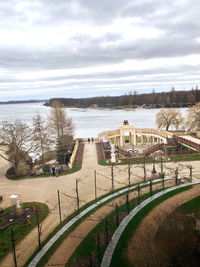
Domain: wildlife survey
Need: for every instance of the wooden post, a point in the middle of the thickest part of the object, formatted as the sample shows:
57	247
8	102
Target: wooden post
106	229
77	196
127	204
91	263
95	184
176	176
38	226
117	215
112	176
129	174
138	189
163	182
144	167
190	167
59	208
150	187
98	250
13	247
161	166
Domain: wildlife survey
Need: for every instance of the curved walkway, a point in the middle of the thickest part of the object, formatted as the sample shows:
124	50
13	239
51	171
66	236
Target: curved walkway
117	234
44	250
45	190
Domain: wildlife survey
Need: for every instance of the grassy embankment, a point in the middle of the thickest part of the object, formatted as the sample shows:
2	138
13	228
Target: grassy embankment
65	234
88	246
118	258
76	167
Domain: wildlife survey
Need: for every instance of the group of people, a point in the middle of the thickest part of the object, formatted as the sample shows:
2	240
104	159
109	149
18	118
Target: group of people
92	140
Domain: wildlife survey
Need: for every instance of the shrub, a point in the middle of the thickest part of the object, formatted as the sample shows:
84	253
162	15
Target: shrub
46	168
11	173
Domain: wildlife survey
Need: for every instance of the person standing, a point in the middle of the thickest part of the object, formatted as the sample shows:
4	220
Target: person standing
53	170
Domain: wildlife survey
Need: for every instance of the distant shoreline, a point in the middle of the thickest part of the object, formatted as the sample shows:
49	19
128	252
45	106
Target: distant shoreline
118	108
22	102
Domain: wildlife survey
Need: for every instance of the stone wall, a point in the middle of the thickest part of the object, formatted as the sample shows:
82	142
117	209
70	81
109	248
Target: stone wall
73	155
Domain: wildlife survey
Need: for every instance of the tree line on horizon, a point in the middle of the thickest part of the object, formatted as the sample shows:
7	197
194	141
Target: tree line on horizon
133	99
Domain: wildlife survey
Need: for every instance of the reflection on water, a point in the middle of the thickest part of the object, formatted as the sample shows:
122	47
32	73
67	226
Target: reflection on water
88	122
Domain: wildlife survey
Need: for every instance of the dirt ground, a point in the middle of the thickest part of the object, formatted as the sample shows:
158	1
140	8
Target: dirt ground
151	223
45	190
63	253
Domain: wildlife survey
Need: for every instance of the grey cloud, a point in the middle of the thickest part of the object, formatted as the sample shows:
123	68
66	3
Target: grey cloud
10	17
93	54
113	75
115	79
156	72
95	12
177	22
111	37
139	8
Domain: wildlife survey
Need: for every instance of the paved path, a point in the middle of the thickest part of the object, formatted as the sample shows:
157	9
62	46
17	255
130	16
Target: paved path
45	190
75	219
90	156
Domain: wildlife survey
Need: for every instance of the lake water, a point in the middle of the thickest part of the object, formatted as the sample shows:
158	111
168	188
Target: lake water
88	122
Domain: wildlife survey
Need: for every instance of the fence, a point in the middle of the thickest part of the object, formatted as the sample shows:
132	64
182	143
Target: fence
181	152
152	149
188	142
124	152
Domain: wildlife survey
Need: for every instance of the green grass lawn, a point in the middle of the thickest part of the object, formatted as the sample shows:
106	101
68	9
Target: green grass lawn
192	206
66	233
20	231
88	246
174	158
118	258
76	167
177	237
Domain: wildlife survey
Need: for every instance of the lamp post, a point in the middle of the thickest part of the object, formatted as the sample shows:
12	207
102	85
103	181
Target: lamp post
154	169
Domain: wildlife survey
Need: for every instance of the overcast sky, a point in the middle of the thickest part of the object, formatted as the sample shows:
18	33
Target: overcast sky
81	48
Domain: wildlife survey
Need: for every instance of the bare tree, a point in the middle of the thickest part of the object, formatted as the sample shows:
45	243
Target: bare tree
40	135
168	117
193	118
16	142
63	130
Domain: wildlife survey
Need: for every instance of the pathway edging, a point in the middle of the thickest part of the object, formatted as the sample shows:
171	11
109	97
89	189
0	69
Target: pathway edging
44	250
118	232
